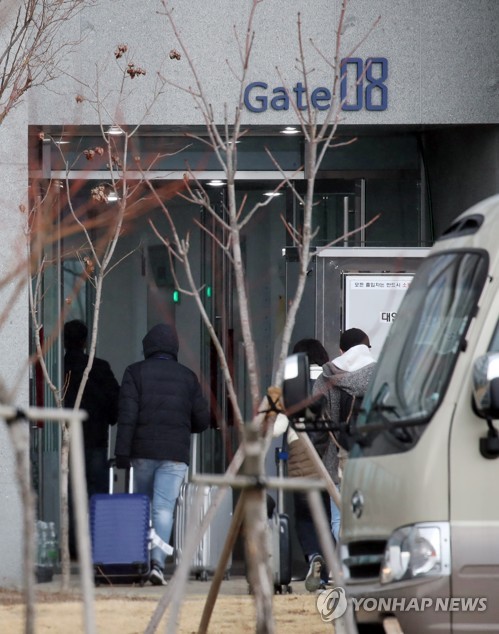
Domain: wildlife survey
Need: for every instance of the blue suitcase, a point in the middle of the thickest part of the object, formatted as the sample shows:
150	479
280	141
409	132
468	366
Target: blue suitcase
120	536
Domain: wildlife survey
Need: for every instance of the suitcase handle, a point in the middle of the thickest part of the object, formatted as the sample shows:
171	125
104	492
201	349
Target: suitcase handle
128	476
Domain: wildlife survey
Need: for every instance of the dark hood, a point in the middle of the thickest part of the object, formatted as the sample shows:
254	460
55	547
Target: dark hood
161	338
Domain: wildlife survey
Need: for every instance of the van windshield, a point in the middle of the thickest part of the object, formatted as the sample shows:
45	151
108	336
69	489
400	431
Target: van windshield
421	349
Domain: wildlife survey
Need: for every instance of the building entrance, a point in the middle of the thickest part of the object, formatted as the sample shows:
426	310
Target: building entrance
368	195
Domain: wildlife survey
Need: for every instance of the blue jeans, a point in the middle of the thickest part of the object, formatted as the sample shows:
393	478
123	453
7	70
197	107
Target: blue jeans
335	520
160	480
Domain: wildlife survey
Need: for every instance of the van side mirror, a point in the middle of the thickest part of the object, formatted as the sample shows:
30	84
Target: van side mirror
486	400
296	385
486	385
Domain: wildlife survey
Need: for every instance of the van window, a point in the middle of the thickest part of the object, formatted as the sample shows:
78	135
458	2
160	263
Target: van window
421	349
494	344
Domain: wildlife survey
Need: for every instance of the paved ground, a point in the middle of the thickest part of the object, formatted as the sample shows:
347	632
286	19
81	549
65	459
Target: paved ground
128	609
236	585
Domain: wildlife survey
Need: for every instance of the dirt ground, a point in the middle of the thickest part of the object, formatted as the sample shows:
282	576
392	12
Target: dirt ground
294	614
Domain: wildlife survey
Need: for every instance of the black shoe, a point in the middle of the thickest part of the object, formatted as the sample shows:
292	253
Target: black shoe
313	579
156	576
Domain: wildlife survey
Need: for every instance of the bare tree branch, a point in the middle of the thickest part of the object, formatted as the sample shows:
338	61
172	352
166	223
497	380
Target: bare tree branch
34	51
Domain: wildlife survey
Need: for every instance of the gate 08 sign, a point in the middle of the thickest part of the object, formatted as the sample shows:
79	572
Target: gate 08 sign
362	86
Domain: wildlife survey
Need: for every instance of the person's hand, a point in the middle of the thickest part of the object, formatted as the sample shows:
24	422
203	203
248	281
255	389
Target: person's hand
123	462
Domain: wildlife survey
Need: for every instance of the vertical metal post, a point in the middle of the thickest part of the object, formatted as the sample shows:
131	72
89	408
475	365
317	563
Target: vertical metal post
345	220
362	212
81	513
423	224
280	474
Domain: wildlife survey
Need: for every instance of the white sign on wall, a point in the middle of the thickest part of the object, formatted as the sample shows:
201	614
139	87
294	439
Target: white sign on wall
371	302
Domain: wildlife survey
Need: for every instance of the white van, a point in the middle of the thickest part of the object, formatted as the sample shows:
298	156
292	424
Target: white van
420	495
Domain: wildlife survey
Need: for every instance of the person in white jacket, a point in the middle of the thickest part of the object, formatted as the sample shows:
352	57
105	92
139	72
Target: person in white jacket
351	372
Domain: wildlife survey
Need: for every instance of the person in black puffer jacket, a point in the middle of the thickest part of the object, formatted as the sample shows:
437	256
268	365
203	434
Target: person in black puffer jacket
160	406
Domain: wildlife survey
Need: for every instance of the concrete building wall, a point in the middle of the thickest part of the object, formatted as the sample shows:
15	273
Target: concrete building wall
14	345
442	57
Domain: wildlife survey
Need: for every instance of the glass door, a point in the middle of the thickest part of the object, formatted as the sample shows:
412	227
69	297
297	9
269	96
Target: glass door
45	436
214	449
339	212
65	295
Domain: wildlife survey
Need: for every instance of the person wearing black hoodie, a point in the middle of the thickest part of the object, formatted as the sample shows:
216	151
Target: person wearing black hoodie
160	405
100	401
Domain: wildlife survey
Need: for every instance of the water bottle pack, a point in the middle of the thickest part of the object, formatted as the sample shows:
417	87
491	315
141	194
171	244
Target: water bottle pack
47	557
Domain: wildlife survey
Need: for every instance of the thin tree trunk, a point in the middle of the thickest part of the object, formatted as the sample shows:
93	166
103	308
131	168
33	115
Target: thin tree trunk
257	547
256	532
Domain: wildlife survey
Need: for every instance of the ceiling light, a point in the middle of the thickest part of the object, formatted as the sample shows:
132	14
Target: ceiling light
272	194
290	130
216	183
115	130
112	197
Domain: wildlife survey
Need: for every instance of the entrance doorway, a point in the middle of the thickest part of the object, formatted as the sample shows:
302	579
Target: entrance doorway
379	174
339	211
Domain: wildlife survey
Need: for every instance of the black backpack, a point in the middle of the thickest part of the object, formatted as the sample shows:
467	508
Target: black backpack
349	410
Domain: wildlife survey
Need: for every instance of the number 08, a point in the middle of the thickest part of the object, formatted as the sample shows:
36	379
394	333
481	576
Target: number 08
374	73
